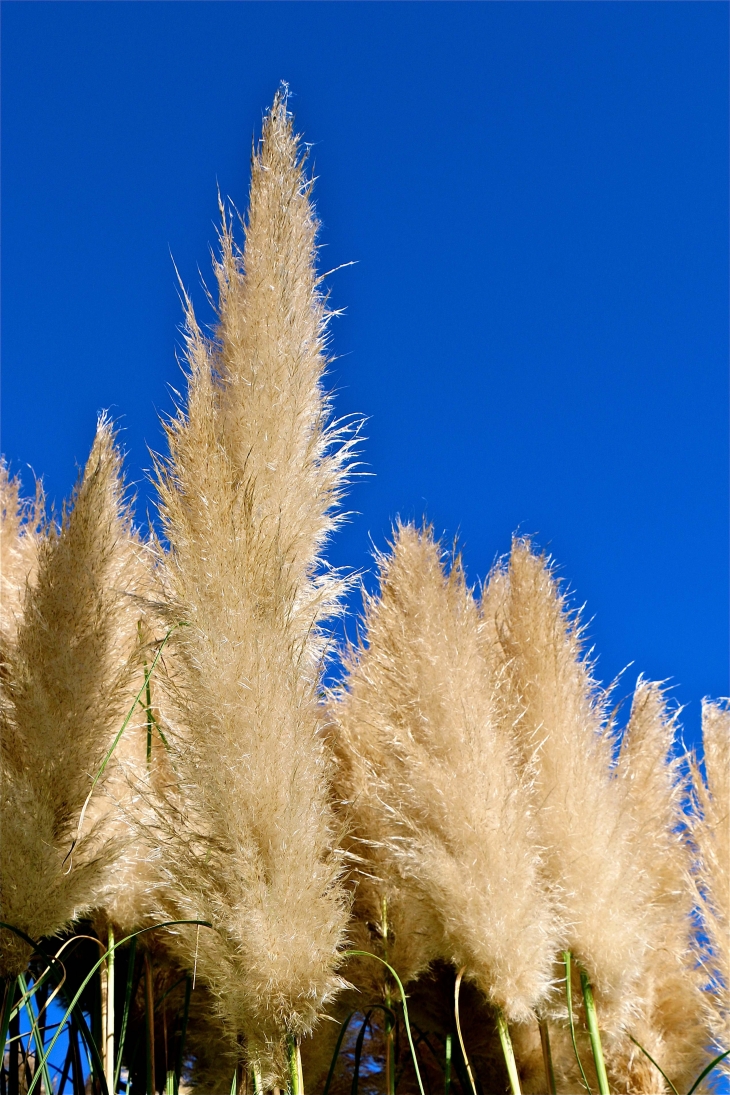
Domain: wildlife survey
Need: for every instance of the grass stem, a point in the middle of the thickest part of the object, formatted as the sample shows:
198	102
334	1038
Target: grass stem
296	1080
125	1013
149	992
183	1034
568	960
547	1056
594	1033
41	1063
447	1065
109	1069
509	1054
457	991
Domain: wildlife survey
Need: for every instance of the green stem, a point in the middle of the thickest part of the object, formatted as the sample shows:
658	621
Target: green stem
358	1053
457	1017
547	1056
258	1086
509	1053
568	958
109	1032
8	997
183	1033
447	1066
594	1033
125	1013
389	1021
369	954
150	1023
43	1065
296	1085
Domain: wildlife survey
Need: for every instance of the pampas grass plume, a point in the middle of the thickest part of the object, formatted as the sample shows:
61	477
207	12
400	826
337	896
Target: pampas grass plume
438	791
557	715
64	697
247	501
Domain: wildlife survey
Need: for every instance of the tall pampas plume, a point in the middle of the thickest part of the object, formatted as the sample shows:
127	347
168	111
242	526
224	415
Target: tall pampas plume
247	500
65	690
710	824
437	793
668	1001
557	715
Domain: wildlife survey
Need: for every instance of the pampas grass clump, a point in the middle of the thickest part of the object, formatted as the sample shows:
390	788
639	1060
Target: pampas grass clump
459	813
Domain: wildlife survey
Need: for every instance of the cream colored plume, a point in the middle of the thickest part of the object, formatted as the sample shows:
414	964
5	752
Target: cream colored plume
434	787
711	835
64	697
667	999
556	712
20	523
247	499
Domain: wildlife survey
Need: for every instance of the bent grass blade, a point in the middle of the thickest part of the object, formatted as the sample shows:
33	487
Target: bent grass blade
368	954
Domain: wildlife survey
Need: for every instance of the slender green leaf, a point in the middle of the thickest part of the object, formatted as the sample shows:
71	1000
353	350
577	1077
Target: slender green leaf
125	1014
567	958
335	1055
509	1053
547	1056
457	1017
358	1052
183	1033
42	1067
7	1011
367	954
657	1066
708	1070
594	1034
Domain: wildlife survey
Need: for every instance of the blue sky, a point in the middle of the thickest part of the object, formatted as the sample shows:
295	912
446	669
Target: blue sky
536	197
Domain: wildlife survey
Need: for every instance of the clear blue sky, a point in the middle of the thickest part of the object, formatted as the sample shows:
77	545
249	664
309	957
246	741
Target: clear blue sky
536	195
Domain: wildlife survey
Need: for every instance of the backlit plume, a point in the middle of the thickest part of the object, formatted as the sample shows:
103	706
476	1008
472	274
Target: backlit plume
247	501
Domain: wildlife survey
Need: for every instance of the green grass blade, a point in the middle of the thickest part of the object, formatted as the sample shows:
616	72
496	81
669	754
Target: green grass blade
457	1017
296	1085
183	1033
234	1083
594	1033
547	1056
338	1045
7	1012
367	954
567	958
447	1065
708	1070
41	1068
509	1053
358	1052
657	1066
125	1013
84	983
